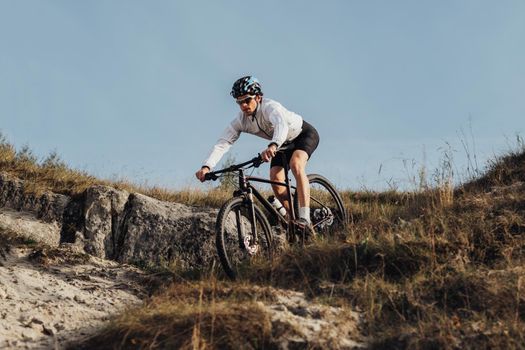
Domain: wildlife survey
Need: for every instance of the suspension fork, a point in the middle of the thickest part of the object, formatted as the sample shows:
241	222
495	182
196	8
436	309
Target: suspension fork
253	220
248	200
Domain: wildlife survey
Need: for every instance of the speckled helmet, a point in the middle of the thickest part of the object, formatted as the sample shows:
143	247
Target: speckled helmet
247	85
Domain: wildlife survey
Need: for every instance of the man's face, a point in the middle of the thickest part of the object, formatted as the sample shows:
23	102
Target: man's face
248	103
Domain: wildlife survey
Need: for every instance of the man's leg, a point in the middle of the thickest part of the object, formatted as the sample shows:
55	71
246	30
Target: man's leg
277	174
298	167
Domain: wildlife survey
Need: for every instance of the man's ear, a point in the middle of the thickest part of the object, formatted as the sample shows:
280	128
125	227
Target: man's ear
258	98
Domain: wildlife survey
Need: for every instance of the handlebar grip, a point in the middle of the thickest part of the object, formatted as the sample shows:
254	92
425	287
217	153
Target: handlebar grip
257	161
210	176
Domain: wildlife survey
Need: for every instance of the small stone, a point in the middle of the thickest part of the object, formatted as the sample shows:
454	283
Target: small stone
47	331
37	321
79	299
23	320
28	335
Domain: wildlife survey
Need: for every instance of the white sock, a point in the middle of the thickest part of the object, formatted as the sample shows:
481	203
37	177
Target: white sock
304	213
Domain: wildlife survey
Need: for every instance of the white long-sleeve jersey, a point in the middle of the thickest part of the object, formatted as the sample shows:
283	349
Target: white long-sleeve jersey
271	121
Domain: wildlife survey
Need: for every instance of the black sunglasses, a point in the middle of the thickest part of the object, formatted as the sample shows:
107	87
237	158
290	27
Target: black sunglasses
245	100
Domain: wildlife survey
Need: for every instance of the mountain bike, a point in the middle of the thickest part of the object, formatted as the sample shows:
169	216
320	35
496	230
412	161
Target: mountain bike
243	231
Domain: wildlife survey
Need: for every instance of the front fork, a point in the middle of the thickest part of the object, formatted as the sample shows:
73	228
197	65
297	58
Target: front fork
249	203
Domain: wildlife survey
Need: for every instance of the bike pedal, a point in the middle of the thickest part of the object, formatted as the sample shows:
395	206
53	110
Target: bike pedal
304	229
302	224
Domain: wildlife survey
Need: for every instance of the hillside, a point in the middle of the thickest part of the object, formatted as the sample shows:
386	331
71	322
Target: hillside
440	268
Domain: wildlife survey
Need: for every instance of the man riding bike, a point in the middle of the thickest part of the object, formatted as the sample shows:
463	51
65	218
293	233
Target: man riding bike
270	120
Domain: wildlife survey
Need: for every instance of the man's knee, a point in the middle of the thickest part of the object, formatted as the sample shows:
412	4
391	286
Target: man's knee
298	163
297	168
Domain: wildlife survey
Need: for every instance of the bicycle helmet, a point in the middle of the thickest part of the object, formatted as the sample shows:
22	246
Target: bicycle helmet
247	85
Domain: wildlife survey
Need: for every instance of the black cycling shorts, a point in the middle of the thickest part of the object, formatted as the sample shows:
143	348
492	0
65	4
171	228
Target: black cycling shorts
307	141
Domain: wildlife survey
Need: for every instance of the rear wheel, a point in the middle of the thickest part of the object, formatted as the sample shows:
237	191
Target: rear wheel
327	212
239	242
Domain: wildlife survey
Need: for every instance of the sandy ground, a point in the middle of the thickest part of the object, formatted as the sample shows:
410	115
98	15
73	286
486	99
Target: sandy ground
300	324
27	225
48	302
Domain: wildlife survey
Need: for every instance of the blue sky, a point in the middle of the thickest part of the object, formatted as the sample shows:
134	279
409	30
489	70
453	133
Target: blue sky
140	90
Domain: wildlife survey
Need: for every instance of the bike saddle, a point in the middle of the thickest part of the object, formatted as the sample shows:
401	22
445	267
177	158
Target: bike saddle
286	146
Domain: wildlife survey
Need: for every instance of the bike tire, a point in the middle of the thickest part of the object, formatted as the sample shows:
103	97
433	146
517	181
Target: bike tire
323	194
232	227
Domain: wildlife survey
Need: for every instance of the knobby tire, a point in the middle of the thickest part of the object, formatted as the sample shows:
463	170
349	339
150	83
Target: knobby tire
230	241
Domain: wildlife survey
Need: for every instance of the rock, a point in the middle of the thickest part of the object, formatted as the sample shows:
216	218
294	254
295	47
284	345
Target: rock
102	211
47	330
37	320
35	216
112	224
156	232
3	293
79	299
48	207
29	335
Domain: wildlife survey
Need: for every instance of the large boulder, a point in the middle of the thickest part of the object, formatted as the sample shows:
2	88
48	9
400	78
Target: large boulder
157	232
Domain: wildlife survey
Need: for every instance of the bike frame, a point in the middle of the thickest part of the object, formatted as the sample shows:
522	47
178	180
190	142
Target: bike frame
245	187
248	192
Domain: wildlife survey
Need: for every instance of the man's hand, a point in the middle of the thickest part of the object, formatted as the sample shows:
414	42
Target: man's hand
269	153
202	171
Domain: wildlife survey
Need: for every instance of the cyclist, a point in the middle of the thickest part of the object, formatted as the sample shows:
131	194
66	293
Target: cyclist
268	119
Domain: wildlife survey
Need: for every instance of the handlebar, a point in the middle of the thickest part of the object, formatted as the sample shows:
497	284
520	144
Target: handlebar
255	162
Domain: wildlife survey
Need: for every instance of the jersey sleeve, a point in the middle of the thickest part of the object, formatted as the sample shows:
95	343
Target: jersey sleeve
225	141
280	126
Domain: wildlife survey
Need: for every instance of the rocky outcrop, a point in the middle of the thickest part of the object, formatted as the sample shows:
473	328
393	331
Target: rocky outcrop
102	211
48	207
117	225
152	231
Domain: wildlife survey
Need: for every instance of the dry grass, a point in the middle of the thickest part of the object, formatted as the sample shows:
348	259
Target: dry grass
199	315
428	270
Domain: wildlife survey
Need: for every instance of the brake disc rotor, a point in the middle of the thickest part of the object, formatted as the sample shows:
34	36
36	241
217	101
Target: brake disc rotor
251	249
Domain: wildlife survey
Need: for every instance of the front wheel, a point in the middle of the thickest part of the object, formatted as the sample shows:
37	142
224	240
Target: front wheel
327	211
239	240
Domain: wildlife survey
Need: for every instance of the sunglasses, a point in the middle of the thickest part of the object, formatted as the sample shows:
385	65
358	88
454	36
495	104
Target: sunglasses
245	100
